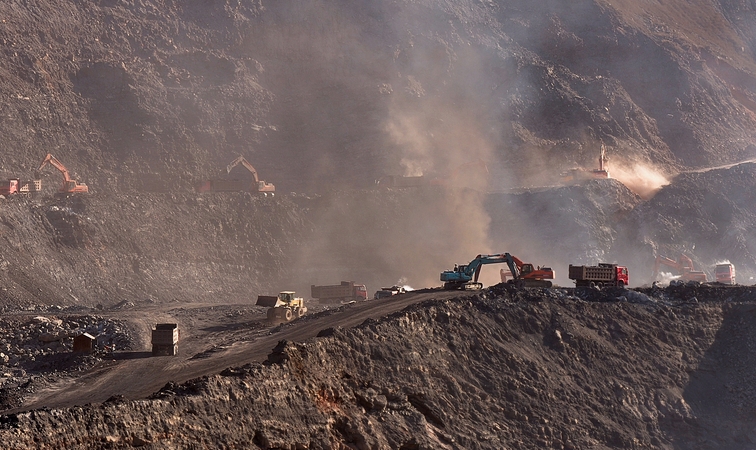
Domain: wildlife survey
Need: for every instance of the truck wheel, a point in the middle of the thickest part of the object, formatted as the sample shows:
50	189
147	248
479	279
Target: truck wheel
288	314
300	312
621	284
272	314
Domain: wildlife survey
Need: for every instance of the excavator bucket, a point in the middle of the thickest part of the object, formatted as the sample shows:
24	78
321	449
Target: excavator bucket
269	301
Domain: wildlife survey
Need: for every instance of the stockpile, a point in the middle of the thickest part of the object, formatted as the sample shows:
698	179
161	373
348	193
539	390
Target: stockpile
35	347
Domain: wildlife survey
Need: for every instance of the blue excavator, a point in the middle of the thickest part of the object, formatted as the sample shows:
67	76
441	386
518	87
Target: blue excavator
523	274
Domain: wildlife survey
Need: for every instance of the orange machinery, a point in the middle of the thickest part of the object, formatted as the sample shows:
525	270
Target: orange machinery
523	274
70	186
683	266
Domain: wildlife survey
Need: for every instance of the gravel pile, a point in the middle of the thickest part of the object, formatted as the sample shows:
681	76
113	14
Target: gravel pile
36	347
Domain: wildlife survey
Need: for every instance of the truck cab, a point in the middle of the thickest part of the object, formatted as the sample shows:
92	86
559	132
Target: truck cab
725	273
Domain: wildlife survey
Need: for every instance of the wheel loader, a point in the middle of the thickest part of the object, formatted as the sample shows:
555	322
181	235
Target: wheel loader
283	308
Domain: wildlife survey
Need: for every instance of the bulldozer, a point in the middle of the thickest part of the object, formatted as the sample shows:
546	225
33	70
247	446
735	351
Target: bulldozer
283	308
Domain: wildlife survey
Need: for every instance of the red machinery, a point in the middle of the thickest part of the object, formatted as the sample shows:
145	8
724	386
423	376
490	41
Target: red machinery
70	186
683	266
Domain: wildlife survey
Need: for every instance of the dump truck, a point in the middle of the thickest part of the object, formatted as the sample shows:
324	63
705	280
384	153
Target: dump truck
284	307
725	273
165	338
16	186
599	276
347	291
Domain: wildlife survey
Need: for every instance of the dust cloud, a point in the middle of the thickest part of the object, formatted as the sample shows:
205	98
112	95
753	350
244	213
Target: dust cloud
436	124
640	178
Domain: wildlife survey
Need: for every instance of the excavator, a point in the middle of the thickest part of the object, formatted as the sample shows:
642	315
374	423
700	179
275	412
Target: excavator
465	276
70	186
525	274
683	266
580	175
227	184
259	186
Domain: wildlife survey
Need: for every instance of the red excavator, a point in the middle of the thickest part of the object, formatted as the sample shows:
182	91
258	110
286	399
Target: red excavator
70	186
525	274
683	266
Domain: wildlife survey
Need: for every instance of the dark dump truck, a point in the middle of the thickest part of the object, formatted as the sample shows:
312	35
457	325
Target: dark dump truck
165	338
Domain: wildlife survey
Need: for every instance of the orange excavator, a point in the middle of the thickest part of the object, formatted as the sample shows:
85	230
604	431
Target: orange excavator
683	266
260	186
581	175
525	274
70	186
236	185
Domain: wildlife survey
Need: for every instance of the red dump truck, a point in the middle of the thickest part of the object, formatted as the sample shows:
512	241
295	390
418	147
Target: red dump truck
165	338
16	186
347	291
725	273
601	275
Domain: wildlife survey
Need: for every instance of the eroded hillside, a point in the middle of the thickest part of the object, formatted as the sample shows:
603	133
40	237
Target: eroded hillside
501	369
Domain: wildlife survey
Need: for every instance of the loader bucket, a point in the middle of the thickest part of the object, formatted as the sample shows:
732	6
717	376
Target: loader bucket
267	300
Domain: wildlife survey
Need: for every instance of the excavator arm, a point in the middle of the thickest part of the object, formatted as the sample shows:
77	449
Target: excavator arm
241	160
53	161
664	261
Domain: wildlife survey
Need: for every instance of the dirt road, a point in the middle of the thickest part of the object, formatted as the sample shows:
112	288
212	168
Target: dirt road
210	343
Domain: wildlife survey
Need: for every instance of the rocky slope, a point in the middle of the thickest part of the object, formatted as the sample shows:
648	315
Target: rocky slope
501	369
153	92
491	101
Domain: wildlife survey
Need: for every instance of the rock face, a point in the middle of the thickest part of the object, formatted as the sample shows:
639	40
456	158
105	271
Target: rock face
505	368
155	95
489	102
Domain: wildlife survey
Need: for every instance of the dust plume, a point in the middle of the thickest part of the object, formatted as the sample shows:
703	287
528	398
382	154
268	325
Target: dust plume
640	178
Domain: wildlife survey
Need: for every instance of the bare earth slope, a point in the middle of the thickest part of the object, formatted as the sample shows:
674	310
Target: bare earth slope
490	101
156	93
504	369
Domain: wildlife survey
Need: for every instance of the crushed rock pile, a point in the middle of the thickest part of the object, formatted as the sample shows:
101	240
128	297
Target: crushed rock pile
524	369
36	348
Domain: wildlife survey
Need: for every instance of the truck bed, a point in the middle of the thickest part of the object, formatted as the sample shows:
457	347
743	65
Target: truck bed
333	291
592	273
